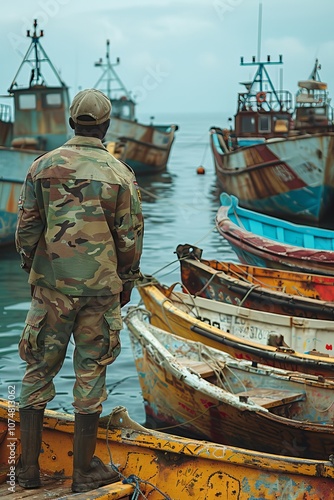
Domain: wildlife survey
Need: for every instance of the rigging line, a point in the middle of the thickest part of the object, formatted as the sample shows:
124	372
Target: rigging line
187	421
204	154
146	191
177	260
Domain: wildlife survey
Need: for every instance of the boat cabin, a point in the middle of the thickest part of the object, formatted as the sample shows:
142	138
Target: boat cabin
313	112
41	117
123	108
262	111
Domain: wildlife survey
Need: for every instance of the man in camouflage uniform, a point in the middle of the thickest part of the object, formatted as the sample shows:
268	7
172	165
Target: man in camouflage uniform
79	234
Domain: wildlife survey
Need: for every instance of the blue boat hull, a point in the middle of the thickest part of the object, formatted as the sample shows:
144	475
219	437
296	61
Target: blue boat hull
266	241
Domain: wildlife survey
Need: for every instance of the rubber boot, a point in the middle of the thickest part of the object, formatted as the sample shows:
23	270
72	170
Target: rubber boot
89	472
31	427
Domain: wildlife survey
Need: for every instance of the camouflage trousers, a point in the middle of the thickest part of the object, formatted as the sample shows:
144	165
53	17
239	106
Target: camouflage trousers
95	323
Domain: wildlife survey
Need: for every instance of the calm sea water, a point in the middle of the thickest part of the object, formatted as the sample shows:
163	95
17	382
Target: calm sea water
179	207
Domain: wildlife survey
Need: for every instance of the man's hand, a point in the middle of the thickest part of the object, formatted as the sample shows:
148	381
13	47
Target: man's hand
125	297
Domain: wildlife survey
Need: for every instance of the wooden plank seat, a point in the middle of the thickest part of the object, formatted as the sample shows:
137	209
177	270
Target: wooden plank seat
61	489
200	367
271	398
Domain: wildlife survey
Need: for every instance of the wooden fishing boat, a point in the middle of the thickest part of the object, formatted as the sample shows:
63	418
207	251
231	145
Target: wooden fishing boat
145	147
217	397
203	320
260	288
270	167
313	110
267	241
162	466
41	124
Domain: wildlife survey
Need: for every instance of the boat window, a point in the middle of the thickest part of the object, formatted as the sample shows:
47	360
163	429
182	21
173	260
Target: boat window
264	124
126	111
320	111
281	124
52	100
248	124
27	101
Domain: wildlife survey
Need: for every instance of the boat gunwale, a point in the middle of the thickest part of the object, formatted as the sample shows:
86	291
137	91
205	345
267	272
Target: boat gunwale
194	448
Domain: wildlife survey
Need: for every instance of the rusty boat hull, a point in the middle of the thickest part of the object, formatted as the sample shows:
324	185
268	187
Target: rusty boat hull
170	311
179	467
202	390
146	148
260	288
290	178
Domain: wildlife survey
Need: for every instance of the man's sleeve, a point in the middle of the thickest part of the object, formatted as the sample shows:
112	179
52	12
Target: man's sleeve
128	234
29	225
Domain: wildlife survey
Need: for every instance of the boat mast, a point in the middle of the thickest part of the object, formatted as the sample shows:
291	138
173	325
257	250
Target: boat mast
109	76
39	57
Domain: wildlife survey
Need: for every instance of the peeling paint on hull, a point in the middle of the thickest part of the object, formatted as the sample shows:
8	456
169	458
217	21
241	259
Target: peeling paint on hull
167	314
292	178
260	288
180	467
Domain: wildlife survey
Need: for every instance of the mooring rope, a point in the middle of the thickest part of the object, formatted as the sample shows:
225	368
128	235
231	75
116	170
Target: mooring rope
132	479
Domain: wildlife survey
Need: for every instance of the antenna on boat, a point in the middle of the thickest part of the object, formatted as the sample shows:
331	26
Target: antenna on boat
259	33
39	56
109	75
315	75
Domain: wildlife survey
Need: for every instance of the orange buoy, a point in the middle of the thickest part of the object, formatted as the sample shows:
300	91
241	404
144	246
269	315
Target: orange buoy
201	170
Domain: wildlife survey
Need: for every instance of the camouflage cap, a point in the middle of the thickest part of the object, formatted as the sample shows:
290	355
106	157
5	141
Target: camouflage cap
93	103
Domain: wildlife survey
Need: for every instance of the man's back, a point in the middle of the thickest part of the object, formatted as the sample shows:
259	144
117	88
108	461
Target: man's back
82	193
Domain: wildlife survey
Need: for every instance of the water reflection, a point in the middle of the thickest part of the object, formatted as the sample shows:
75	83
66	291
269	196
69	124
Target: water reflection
153	187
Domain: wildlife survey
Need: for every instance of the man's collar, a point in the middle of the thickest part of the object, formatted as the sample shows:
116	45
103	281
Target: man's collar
80	140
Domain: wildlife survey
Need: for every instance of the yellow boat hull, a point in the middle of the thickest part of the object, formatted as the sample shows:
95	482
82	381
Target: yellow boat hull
170	467
166	312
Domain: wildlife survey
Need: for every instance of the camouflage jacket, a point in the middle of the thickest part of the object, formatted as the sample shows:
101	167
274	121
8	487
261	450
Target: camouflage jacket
80	225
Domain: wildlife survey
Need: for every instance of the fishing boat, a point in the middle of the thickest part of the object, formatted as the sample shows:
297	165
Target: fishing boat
214	396
40	124
145	148
203	320
158	466
261	240
260	288
268	164
313	110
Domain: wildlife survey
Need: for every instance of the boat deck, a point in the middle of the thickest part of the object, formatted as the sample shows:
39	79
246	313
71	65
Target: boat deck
270	398
61	489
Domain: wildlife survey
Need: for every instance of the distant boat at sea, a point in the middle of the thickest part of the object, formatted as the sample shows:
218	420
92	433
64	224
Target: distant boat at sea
313	109
40	124
266	162
145	148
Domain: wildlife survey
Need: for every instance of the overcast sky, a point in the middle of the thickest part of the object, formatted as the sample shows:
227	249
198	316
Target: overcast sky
176	55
